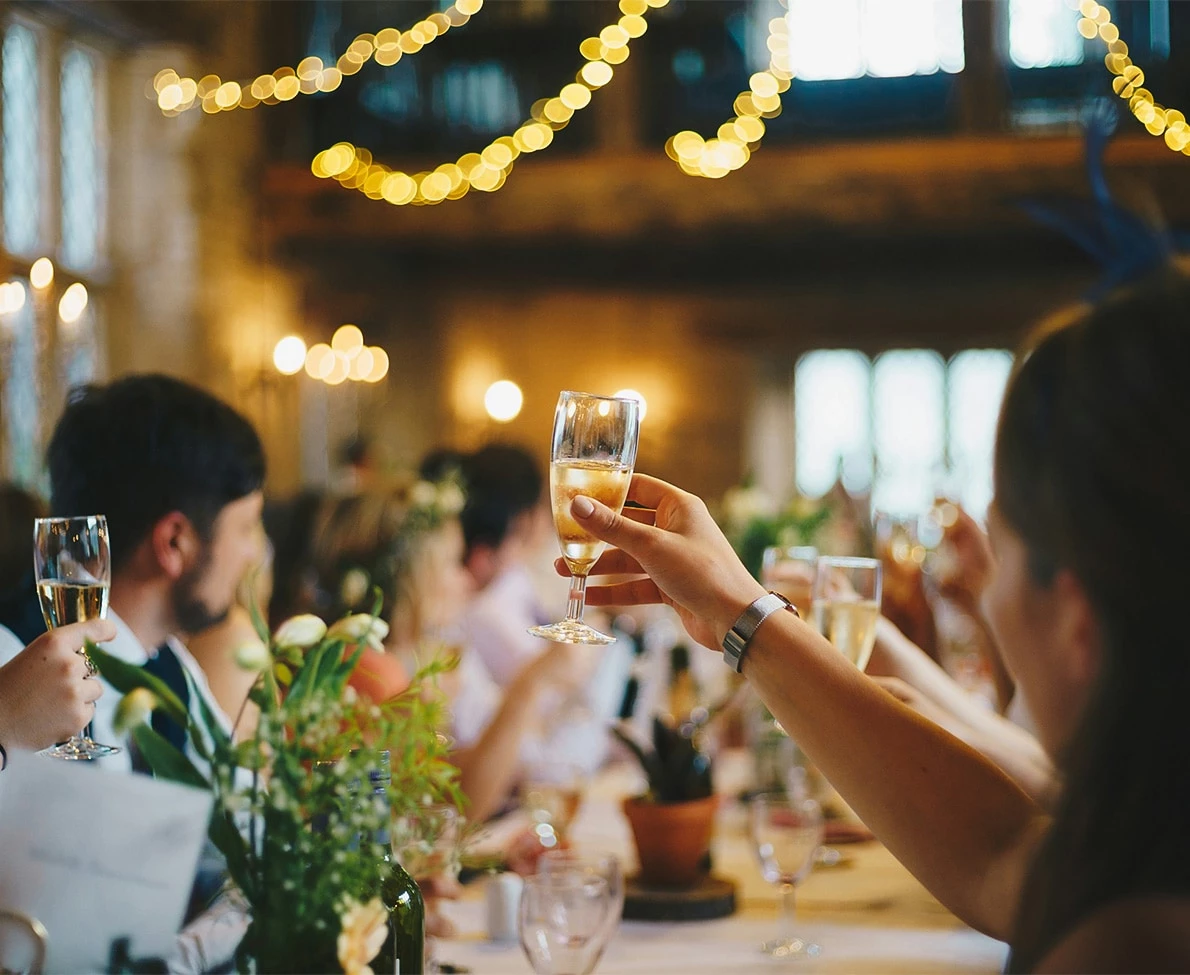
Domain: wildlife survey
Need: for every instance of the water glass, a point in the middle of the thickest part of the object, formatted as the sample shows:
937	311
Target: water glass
786	833
563	922
790	570
603	865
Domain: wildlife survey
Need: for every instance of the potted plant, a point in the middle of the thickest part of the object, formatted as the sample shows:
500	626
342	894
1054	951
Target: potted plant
673	821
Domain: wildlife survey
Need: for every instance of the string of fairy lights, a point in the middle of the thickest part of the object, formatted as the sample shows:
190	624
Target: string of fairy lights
739	136
176	94
356	169
1129	80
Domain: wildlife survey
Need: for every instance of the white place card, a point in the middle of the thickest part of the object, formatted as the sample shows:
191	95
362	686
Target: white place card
96	857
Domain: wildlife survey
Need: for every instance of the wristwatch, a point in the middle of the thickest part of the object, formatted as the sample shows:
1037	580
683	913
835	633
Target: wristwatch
742	631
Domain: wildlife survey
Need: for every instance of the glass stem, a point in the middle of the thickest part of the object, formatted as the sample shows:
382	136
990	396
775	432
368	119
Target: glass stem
577	599
787	908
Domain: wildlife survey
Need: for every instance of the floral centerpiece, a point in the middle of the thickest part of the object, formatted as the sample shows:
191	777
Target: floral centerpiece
296	815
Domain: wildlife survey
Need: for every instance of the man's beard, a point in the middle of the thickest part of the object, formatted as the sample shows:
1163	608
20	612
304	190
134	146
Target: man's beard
191	614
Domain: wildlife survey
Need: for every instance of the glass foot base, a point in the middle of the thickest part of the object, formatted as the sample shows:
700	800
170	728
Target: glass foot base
572	631
791	948
81	750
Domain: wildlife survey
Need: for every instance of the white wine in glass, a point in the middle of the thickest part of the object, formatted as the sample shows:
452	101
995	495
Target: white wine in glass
846	605
593	453
72	566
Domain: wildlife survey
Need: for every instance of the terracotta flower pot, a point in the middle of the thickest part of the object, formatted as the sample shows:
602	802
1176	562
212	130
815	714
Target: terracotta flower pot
671	839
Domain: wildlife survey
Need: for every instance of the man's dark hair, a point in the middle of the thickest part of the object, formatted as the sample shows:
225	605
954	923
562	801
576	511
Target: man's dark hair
143	446
501	482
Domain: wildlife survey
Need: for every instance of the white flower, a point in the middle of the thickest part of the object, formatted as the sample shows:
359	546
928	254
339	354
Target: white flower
134	708
363	932
423	494
451	499
360	628
354	587
252	655
300	631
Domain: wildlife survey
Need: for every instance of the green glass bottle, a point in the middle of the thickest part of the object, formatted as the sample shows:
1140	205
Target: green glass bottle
404	951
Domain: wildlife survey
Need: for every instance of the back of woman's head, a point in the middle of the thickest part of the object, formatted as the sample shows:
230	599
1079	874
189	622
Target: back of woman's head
1092	444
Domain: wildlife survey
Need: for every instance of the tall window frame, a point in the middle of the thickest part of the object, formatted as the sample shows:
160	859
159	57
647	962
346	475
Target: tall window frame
58	93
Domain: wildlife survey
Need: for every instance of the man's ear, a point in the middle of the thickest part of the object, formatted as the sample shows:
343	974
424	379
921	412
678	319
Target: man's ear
174	543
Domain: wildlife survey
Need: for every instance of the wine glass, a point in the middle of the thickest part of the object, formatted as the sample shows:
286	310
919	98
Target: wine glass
786	832
429	843
563	922
593	452
72	566
603	865
551	795
791	570
846	605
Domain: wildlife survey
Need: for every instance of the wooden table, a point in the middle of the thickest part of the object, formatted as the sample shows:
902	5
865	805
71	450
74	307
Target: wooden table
868	913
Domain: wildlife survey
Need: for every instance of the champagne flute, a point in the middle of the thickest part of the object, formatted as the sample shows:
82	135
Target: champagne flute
791	570
594	450
846	605
786	832
563	922
72	565
552	795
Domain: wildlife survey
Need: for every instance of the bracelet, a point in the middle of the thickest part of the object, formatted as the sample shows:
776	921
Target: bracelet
740	635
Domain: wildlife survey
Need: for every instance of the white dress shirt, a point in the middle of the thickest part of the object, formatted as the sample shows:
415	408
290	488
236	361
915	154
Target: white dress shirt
10	646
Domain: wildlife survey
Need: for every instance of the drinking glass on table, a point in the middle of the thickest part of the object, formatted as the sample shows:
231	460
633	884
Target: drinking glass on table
72	567
593	452
846	605
791	570
552	795
603	865
563	922
786	832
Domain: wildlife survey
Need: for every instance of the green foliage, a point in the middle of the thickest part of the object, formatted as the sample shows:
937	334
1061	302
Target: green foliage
798	525
675	768
295	815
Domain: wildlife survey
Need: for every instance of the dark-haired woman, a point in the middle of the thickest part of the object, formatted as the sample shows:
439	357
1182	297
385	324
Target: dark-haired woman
1091	531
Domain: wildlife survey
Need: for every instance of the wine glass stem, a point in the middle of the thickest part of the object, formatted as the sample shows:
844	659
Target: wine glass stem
787	909
577	599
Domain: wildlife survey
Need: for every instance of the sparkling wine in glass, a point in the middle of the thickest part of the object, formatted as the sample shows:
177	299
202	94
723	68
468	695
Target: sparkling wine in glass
72	566
552	795
786	833
563	922
846	605
593	452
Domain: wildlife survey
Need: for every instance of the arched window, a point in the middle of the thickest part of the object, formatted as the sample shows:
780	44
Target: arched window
833	421
1042	33
18	357
22	134
909	427
975	380
82	161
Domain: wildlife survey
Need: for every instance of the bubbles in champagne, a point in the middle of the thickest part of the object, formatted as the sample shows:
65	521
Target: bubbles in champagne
605	482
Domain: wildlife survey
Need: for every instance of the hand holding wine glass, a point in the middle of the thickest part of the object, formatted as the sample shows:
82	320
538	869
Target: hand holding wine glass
593	452
72	566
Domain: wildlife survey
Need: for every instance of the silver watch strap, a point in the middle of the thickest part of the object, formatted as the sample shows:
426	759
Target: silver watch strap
744	628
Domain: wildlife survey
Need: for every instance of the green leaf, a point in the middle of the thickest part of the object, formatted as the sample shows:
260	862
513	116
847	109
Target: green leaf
125	677
231	844
165	760
258	621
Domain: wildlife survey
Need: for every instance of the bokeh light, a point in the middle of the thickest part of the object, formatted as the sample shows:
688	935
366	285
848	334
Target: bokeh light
503	400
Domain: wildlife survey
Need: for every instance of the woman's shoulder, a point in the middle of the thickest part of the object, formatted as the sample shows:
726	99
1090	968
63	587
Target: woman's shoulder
1135	934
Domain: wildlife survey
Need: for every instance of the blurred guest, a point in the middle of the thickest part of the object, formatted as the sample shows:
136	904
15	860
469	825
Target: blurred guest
45	693
409	543
289	526
19	609
357	468
506	524
178	474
